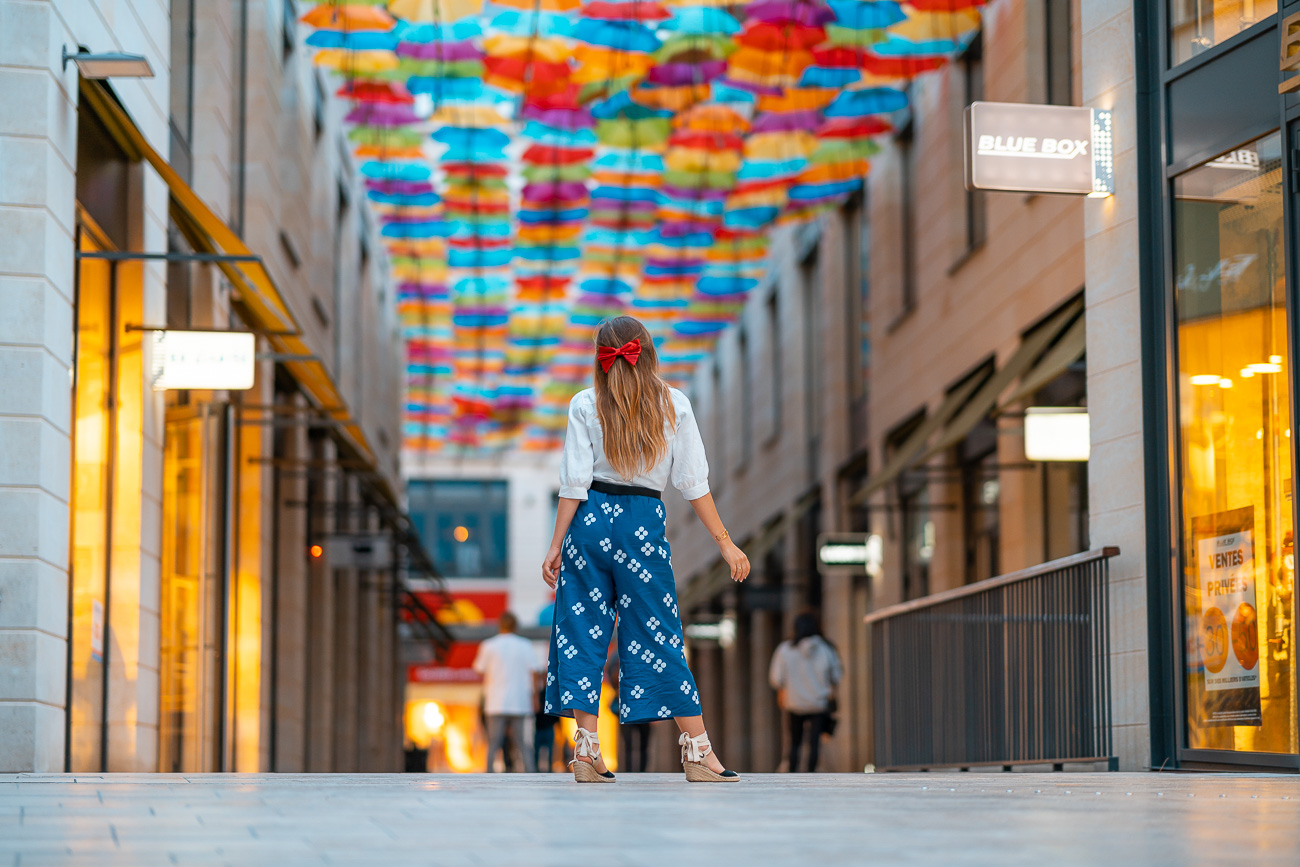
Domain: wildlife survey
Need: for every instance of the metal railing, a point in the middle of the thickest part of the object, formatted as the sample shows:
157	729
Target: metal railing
1010	671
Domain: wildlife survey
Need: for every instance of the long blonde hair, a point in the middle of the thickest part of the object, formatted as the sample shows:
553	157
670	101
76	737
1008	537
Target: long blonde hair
632	401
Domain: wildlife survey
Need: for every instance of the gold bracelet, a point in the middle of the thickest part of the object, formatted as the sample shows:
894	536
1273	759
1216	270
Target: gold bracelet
720	536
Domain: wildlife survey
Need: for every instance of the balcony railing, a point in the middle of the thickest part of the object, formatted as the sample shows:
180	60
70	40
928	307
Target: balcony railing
1014	670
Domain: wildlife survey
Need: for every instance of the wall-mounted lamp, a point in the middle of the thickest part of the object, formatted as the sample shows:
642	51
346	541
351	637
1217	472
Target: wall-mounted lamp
111	64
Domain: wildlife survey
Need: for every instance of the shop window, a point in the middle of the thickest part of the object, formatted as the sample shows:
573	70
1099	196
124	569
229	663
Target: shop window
858	338
906	144
746	397
774	355
191	637
975	202
92	465
719	412
1198	25
981	495
915	528
810	280
289	27
464	525
182	85
1058	52
1234	464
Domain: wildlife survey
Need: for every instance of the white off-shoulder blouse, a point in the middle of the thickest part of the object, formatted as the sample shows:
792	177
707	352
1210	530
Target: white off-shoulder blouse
584	453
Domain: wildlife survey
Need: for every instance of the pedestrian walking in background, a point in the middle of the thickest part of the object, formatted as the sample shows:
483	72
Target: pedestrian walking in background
508	664
805	671
627	438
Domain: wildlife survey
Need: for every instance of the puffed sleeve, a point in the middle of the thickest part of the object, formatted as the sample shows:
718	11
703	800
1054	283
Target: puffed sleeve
578	463
690	473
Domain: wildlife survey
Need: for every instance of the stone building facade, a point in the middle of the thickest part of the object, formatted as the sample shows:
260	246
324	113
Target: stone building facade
161	604
894	311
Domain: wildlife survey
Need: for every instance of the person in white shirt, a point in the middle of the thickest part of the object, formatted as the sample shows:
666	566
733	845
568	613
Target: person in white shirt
508	664
805	671
628	437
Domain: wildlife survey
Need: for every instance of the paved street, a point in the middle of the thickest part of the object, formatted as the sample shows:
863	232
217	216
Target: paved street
650	820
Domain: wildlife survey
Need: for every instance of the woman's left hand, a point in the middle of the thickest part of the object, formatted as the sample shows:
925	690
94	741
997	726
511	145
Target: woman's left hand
551	568
737	560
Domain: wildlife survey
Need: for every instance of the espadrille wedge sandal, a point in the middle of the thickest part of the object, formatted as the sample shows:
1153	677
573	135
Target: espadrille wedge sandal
586	744
694	751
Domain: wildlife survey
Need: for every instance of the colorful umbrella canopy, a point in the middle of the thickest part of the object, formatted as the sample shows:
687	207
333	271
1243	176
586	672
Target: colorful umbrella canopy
536	166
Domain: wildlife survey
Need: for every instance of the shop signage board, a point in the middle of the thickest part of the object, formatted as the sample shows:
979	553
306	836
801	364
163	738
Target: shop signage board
1038	149
1229	628
850	550
1289	61
209	360
371	551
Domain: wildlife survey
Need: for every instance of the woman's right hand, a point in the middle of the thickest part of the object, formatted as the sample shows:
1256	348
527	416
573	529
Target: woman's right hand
737	560
551	567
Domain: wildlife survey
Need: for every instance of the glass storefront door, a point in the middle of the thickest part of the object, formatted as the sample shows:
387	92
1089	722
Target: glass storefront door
1232	401
94	421
192	629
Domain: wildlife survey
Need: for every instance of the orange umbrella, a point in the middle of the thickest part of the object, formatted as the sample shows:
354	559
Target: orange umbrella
328	16
712	118
798	99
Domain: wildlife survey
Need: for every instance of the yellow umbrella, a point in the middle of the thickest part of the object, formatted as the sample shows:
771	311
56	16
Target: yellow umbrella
344	60
711	118
440	11
774	197
924	26
538	48
780	145
695	160
477	116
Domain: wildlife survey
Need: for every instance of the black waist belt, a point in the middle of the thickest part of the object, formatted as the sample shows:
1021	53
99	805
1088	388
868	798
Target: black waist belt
624	490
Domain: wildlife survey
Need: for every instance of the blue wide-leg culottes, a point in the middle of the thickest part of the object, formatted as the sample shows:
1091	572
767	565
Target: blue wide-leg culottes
615	569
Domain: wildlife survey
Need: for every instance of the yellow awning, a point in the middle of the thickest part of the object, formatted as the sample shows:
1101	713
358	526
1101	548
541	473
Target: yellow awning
984	401
969	403
905	455
257	293
1067	351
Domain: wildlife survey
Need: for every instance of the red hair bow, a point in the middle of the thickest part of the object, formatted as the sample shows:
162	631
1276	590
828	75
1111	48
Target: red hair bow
630	350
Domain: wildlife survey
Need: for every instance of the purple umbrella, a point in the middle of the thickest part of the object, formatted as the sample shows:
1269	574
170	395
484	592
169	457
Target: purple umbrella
693	194
782	11
452	52
620	205
759	89
789	121
400	188
380	114
680	74
560	118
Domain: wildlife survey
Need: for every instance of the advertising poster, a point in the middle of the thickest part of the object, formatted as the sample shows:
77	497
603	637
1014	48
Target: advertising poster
1228	629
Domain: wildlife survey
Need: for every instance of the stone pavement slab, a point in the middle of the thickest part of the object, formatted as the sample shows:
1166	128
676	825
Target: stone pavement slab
650	820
